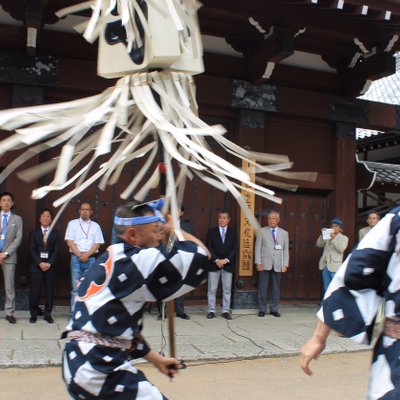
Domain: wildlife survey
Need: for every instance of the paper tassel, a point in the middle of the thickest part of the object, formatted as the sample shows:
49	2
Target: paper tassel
143	115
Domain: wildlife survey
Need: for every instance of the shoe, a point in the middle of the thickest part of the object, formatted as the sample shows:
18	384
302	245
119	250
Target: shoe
275	314
32	320
40	312
211	315
261	313
226	315
11	319
48	319
183	316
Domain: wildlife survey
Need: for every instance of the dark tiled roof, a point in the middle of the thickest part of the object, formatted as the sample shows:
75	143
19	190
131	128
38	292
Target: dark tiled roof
382	172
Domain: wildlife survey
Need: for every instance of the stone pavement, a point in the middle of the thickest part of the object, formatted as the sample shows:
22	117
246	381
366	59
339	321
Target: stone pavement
246	336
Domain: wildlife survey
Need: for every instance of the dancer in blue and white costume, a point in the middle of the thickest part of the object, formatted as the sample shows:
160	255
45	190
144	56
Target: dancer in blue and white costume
370	274
105	331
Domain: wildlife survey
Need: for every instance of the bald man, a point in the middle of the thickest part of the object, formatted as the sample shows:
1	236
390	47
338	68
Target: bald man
372	220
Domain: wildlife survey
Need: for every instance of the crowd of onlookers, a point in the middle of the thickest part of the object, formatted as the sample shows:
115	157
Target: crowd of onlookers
84	237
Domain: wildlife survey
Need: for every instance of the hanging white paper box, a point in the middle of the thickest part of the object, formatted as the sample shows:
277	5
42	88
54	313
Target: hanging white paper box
159	48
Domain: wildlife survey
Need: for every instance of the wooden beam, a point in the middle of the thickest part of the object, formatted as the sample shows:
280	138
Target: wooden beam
54	43
268	13
377	5
276	47
19	68
382	116
33	23
223	66
323	182
373	68
305	104
50	71
381	5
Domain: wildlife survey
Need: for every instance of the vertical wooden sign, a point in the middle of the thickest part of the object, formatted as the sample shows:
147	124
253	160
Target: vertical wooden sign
246	247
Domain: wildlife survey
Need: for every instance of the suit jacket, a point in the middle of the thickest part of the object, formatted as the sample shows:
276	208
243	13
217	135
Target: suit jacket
266	253
36	246
332	255
220	250
13	238
363	231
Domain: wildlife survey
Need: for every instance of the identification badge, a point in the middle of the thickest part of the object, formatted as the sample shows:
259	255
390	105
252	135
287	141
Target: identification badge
44	254
2	236
278	247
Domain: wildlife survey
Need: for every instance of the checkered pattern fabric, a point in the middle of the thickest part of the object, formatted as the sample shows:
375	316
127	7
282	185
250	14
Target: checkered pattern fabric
369	274
110	302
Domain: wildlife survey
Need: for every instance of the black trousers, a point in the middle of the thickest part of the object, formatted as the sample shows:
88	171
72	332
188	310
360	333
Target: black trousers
39	278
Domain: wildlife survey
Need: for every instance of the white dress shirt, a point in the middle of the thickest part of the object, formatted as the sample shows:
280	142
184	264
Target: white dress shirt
84	234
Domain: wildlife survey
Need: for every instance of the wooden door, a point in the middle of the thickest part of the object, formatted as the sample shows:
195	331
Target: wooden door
303	216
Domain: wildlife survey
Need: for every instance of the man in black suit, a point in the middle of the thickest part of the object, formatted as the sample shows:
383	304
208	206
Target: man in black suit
44	249
221	242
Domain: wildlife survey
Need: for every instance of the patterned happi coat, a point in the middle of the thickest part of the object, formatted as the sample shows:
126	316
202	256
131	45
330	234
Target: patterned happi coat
110	301
369	274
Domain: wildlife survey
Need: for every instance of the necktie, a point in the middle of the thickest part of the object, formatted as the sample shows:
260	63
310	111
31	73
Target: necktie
273	236
4	224
223	233
45	235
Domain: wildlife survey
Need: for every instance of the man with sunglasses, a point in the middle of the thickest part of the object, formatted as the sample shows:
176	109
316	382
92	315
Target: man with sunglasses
104	333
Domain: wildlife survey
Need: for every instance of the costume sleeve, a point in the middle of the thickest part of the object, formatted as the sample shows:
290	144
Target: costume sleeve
140	347
178	272
355	293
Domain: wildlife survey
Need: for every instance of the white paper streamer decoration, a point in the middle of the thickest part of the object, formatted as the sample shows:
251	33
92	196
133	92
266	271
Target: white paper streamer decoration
145	109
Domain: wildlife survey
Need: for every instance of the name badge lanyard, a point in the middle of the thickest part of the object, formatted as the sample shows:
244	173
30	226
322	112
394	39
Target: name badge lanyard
84	232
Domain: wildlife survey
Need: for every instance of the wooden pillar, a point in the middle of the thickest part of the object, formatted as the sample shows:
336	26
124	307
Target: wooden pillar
344	196
253	102
248	134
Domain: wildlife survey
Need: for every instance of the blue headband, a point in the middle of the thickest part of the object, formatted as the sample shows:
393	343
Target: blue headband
146	219
155	205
